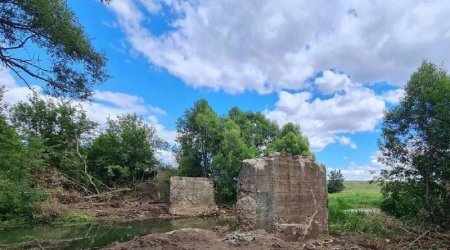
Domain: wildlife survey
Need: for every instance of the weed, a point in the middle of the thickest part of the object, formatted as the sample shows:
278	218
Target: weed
69	219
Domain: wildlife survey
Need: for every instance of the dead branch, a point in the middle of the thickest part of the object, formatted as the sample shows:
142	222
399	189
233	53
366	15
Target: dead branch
418	238
107	193
86	167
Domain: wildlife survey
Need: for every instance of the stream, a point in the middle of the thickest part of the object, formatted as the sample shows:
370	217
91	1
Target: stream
92	236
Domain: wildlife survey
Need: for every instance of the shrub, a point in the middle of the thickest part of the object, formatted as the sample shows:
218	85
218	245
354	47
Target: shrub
336	181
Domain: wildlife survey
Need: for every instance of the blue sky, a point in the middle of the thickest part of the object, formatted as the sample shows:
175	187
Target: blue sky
332	67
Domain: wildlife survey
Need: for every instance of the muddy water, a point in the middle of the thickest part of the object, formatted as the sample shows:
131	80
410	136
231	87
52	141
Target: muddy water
95	235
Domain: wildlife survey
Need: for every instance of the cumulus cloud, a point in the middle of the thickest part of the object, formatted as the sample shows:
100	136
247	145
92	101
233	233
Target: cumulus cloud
348	111
331	82
344	140
394	96
268	46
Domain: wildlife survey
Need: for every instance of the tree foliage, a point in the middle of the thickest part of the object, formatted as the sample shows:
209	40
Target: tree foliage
227	161
213	146
335	181
18	196
198	137
290	140
415	145
125	152
257	130
62	128
69	64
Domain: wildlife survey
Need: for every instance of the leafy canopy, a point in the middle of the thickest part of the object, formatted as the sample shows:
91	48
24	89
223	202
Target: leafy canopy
214	146
69	64
62	128
198	136
125	152
290	140
415	144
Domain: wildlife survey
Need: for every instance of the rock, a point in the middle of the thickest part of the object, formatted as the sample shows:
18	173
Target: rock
284	194
237	237
191	196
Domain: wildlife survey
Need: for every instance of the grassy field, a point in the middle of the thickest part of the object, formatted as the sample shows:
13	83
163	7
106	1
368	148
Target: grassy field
357	194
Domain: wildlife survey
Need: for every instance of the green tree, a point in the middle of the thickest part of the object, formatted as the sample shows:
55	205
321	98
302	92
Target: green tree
256	130
290	140
18	196
335	181
415	144
63	129
198	135
227	161
125	152
69	64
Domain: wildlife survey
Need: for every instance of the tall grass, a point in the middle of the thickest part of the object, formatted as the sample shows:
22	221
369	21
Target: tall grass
357	194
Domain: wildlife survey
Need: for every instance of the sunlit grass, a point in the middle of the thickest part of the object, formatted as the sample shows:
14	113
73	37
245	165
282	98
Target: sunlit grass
357	194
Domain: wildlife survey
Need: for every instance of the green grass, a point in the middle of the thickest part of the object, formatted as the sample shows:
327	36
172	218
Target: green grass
357	194
71	219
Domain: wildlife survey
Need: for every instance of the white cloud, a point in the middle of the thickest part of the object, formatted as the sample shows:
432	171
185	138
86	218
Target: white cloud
331	82
322	120
6	79
166	157
344	140
274	45
362	172
394	96
165	134
355	172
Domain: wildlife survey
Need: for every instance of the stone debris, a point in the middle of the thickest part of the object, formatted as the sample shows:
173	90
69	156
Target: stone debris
367	211
238	237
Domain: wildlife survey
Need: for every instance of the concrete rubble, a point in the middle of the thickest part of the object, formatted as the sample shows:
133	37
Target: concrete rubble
283	194
191	196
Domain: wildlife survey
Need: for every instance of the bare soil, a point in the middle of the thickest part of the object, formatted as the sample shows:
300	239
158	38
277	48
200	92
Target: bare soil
190	238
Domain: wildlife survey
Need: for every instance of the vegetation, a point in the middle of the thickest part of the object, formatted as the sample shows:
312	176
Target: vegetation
44	136
68	219
415	145
18	196
69	66
214	146
124	153
335	181
344	216
290	140
59	128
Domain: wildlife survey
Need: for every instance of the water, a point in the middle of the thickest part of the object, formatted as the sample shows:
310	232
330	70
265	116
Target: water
94	235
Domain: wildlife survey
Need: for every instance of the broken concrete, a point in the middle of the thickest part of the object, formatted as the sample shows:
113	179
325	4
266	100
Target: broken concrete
191	196
283	194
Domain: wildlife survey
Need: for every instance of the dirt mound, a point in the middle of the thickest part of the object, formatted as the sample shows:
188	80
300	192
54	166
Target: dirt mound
190	238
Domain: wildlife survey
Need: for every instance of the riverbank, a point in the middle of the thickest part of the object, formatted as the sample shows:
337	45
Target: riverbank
221	239
130	219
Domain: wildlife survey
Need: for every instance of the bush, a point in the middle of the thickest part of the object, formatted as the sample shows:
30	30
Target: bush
18	199
69	219
336	181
